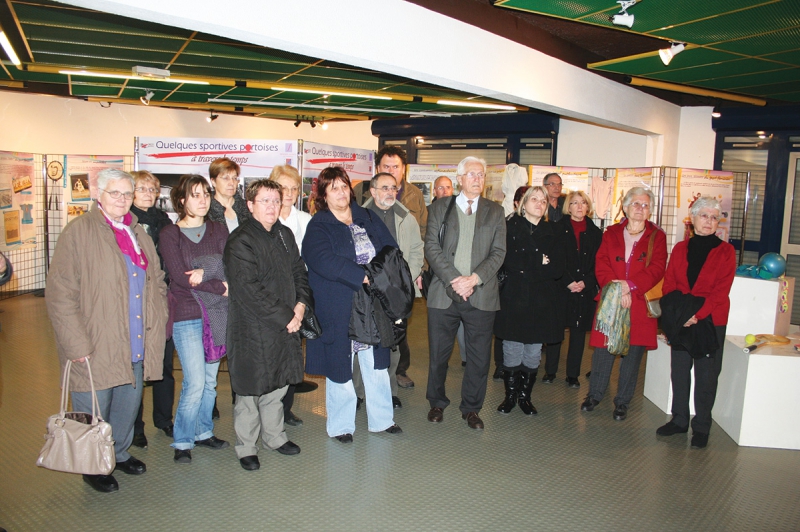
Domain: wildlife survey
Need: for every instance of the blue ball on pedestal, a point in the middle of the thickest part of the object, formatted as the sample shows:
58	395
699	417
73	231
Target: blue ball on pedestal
774	263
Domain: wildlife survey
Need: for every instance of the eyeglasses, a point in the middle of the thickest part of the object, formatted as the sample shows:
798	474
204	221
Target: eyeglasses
228	177
554	185
475	175
581	202
142	190
267	202
116	194
709	217
638	205
387	189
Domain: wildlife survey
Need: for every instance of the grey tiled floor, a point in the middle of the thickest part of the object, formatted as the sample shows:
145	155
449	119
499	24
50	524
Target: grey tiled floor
560	470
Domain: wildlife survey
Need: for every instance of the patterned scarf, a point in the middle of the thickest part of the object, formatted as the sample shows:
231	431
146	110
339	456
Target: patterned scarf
126	240
613	320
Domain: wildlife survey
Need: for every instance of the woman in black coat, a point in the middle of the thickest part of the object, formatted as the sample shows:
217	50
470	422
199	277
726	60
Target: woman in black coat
578	286
526	320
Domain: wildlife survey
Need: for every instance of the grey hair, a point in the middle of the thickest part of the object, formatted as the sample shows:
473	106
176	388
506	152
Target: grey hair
705	202
548	176
373	183
470	159
112	174
638	191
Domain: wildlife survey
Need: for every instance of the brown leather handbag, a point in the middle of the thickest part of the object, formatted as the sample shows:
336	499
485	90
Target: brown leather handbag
652	297
78	442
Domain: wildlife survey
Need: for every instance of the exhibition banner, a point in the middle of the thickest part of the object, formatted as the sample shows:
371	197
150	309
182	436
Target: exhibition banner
17	198
573	178
692	184
81	174
493	189
425	175
627	178
359	165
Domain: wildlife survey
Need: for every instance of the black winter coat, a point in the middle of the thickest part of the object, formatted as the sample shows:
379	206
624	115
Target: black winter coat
529	295
579	307
266	279
153	221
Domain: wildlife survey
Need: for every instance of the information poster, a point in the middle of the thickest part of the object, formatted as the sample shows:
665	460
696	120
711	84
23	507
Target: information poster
81	174
493	190
17	199
359	165
573	178
627	178
425	175
692	184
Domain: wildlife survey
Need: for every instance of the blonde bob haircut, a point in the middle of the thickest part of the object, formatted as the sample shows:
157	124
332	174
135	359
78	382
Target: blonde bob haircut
143	176
527	196
585	197
288	171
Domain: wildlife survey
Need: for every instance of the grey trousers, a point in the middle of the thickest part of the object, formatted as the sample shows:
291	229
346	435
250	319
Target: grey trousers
119	406
603	363
358	382
254	415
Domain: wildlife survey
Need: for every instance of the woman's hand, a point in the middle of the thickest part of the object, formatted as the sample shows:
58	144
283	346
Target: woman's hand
195	276
365	281
80	360
626	288
545	259
626	300
576	286
300	311
691	321
294	325
225	283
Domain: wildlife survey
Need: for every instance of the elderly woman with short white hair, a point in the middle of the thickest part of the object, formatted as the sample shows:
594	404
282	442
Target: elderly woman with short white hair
697	283
107	302
632	253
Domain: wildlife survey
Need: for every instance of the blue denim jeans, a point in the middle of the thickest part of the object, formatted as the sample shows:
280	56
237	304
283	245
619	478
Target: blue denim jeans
340	399
193	417
119	406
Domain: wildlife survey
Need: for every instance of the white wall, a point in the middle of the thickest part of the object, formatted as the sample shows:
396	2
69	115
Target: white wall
696	138
44	124
582	144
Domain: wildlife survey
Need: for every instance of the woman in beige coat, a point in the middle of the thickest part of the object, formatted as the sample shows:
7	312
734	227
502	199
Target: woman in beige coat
107	302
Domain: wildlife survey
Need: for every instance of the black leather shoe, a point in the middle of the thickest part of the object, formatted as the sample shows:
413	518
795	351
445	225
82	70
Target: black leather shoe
498	374
671	428
396	402
589	404
620	413
473	421
102	483
359	401
549	378
182	456
292	420
435	415
573	382
250	463
394	429
131	466
140	441
169	431
345	438
213	443
463	363
699	440
215	413
289	448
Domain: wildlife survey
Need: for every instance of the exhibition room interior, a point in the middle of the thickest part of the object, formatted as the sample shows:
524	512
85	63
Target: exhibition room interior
599	85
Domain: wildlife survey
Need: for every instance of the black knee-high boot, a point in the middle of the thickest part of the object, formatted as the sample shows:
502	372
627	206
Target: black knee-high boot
527	378
511	380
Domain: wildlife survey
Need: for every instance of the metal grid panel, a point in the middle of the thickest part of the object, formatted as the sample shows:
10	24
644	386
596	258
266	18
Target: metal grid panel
793	270
666	203
742	161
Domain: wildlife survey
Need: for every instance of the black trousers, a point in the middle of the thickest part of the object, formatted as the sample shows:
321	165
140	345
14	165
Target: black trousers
577	343
163	395
706	373
552	356
442	328
498	352
405	357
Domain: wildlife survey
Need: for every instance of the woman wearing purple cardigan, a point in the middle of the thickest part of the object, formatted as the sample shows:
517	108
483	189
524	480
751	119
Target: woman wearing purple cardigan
193	241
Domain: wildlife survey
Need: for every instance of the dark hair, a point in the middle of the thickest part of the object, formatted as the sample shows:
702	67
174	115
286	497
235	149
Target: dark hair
373	183
520	192
183	189
327	177
548	176
253	187
391	151
222	165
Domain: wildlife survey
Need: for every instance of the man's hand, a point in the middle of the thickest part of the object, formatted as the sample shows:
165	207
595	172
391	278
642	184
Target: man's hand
464	285
418	282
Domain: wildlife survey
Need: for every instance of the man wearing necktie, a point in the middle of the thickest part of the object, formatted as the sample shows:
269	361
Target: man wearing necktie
464	258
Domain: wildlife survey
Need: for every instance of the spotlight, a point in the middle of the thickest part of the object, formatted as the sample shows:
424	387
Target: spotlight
623	18
313	124
668	53
147	97
716	112
324	125
211	117
298	122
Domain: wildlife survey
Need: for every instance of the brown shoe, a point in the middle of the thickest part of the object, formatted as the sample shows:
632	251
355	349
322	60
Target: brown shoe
473	420
404	382
436	415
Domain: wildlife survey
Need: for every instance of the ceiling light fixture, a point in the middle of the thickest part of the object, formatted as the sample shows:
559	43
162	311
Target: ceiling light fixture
312	123
148	95
92	74
12	55
324	107
324	125
330	93
211	117
298	122
478	105
716	112
623	18
667	54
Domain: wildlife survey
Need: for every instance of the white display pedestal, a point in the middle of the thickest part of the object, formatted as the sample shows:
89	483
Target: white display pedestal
755	307
657	379
758	395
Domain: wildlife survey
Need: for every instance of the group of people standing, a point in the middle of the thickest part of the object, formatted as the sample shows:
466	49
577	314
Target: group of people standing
243	273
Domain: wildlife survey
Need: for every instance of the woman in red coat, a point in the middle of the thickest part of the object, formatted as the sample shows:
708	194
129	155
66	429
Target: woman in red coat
702	266
622	258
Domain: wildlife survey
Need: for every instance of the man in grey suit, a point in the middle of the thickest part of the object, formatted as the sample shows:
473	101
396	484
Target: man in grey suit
464	288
